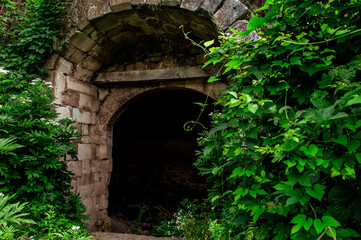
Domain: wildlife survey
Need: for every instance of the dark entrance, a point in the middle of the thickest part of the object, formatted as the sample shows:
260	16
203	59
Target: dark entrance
153	157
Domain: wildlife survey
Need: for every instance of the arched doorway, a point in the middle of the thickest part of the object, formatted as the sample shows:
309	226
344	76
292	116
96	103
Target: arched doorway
153	157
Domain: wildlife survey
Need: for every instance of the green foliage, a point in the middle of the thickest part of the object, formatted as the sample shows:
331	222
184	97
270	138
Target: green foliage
189	222
28	29
34	147
286	147
11	217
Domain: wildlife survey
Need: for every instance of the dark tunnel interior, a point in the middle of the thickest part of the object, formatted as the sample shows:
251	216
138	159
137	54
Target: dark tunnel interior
153	156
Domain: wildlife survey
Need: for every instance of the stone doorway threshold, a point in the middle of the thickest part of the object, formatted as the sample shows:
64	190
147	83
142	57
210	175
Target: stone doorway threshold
121	236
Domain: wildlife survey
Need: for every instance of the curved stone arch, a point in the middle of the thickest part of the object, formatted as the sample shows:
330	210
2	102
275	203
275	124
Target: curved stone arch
119	99
101	29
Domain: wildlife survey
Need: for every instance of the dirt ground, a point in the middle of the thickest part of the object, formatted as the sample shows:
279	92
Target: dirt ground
121	236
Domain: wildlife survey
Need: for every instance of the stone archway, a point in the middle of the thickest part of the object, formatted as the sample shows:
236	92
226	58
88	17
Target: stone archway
118	49
153	157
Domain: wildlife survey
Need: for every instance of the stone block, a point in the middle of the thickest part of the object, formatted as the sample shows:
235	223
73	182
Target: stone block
95	8
73	54
86	179
82	24
88	103
106	22
81	41
52	62
86	152
178	16
171	3
92	64
103	202
85	167
154	2
120	5
153	22
59	83
103	94
231	11
99	188
71	98
84	116
191	4
82	87
88	29
64	112
101	54
75	167
86	192
64	66
85	129
104	152
82	74
211	5
106	166
125	39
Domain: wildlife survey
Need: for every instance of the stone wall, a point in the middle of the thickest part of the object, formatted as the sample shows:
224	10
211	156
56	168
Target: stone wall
115	50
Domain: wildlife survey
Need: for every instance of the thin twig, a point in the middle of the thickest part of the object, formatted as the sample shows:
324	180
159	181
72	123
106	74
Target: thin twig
324	232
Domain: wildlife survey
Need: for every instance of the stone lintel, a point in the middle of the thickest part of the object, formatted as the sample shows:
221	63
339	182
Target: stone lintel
151	75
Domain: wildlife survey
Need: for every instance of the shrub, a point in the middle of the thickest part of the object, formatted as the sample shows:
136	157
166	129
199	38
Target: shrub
34	146
286	147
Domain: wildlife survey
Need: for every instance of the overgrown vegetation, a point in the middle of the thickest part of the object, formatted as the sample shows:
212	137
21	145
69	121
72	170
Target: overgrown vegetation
33	146
284	153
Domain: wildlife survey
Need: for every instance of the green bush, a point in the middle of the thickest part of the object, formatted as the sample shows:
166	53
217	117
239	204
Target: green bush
34	147
11	217
189	222
285	149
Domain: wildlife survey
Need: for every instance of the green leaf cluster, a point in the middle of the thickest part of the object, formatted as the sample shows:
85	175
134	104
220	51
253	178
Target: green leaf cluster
285	148
34	144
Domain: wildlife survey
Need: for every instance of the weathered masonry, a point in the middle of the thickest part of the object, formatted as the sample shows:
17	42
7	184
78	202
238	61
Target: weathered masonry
119	50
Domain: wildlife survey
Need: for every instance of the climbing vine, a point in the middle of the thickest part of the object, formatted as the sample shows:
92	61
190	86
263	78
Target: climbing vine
284	153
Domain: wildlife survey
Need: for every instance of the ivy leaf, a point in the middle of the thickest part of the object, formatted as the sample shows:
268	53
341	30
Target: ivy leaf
353	145
234	103
358	157
317	223
257	211
307	225
341	139
329	221
299	220
238	172
252	107
255	23
209	43
213	79
317	192
311	68
304	180
295	61
353	127
348	232
311	150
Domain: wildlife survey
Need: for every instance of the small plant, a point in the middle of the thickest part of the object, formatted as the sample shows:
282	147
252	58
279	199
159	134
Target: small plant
189	222
11	217
74	233
136	223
